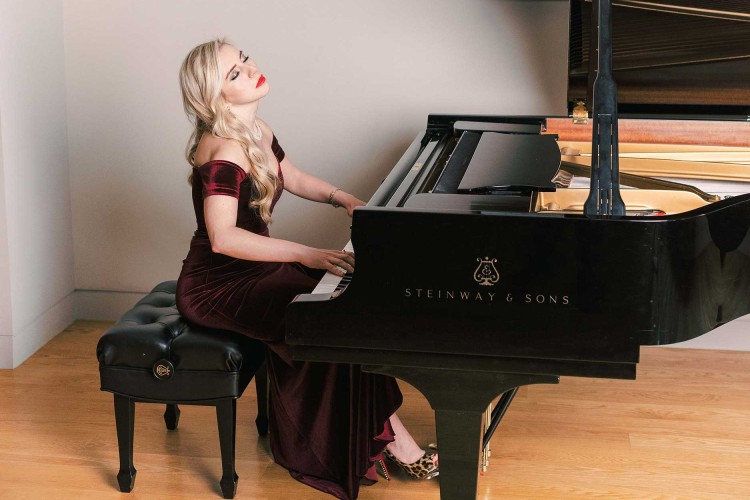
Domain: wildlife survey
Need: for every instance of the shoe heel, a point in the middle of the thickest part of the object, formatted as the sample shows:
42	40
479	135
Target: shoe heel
383	470
424	468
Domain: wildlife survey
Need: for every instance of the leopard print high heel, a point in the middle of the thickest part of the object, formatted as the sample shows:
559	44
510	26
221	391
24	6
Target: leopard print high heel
424	468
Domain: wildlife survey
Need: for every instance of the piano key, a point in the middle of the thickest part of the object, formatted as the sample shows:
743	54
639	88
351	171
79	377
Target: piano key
331	283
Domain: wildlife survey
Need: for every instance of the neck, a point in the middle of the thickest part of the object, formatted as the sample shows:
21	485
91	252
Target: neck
246	113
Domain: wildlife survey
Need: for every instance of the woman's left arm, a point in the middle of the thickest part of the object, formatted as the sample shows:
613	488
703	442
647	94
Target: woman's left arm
310	187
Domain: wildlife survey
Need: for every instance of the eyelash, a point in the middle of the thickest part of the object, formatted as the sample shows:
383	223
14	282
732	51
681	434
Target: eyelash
237	73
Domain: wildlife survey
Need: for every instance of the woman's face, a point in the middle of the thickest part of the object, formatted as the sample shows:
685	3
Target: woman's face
242	82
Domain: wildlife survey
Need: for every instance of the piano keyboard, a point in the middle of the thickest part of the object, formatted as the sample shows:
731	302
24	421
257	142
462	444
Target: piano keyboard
332	283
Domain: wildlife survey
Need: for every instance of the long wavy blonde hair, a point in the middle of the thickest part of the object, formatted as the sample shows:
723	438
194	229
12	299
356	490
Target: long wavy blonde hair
200	82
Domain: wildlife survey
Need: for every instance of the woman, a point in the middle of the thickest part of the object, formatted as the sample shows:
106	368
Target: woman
329	423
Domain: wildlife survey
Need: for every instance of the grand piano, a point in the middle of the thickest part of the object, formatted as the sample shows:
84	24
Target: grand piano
503	251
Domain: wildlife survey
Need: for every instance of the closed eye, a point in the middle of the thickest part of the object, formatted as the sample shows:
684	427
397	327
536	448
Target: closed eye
235	74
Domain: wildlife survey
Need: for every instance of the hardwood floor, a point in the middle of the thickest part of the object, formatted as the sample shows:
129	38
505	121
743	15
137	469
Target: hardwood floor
682	430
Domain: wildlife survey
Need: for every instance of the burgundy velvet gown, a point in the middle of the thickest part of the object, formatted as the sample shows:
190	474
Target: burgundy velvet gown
329	422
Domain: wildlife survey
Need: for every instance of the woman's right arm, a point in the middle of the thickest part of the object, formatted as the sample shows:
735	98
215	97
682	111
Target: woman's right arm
220	213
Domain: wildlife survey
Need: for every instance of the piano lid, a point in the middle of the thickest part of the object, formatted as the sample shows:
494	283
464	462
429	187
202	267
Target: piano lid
670	57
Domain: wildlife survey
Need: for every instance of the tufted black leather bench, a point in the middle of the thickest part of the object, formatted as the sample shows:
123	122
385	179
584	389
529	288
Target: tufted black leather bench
154	355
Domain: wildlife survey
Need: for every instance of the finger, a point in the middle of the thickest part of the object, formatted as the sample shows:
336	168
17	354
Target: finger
340	271
335	269
346	257
349	266
341	263
345	265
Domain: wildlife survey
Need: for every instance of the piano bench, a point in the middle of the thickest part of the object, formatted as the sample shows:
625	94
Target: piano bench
153	355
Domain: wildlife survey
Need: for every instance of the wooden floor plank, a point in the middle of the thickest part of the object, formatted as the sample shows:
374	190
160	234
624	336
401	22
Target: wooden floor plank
682	430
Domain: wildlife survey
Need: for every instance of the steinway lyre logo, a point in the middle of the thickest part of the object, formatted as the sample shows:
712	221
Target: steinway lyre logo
486	273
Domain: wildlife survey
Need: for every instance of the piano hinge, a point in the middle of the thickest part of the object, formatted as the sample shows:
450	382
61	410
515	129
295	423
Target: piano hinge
580	113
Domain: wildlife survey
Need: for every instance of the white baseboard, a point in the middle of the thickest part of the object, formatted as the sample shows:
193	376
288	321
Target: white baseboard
102	305
79	304
6	351
40	331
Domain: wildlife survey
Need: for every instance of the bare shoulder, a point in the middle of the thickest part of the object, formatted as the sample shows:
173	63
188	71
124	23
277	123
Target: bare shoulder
231	150
218	148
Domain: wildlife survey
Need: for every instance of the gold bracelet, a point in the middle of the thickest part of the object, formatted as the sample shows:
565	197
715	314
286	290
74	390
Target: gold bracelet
330	198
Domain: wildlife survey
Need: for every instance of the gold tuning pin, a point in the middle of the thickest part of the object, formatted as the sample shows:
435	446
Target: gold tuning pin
580	113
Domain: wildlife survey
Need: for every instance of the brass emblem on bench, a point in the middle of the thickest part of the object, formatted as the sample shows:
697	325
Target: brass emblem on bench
163	369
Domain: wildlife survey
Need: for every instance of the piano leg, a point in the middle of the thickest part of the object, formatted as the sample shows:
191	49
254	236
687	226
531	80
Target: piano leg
458	434
459	398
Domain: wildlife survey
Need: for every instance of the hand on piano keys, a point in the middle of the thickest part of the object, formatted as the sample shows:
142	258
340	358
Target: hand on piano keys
332	284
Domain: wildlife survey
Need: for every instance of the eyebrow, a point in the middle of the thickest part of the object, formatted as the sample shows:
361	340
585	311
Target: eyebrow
232	68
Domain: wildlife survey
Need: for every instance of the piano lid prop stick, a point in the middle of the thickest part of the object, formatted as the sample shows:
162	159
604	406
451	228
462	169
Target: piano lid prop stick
604	194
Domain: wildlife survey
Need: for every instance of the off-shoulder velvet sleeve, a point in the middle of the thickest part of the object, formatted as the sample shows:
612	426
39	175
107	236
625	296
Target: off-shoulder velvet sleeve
221	177
277	151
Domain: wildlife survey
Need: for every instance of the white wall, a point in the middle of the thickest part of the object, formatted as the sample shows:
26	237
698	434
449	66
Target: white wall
36	244
6	319
351	84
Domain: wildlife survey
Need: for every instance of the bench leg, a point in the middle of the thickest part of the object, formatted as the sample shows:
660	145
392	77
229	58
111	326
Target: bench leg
226	416
172	416
261	390
125	421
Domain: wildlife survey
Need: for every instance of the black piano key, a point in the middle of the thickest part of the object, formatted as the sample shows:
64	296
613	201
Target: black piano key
345	280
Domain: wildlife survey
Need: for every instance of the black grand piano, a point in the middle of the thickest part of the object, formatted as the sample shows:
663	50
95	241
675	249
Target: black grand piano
506	251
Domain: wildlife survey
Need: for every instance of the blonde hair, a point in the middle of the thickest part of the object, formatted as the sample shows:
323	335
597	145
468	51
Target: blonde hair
200	83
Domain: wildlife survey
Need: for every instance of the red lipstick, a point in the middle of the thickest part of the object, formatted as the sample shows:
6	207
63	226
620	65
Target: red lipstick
261	81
